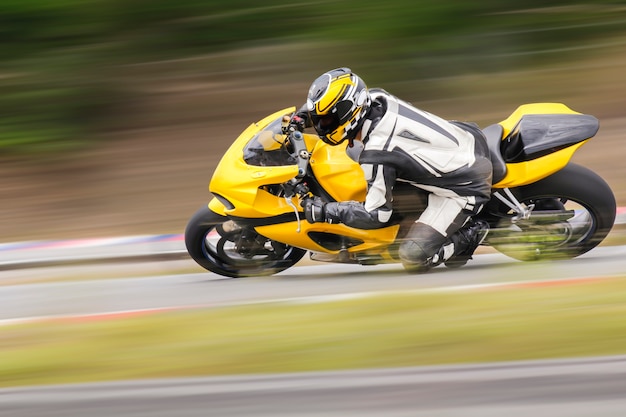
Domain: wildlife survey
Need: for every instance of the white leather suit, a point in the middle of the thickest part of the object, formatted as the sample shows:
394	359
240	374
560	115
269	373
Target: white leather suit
450	160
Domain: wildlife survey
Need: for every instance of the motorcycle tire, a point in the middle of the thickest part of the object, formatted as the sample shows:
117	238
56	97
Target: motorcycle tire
593	219
215	243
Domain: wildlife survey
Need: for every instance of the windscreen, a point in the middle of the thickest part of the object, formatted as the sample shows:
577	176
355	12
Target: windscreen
267	148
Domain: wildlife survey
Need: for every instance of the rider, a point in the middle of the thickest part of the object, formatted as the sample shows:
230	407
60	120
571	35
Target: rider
398	142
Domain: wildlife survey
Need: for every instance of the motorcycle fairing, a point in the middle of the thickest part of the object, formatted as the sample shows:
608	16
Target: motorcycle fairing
537	140
250	202
332	167
243	183
357	240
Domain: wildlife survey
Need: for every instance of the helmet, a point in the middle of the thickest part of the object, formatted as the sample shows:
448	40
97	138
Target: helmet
338	101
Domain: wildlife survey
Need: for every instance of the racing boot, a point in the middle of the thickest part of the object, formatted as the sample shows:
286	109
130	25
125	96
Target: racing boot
465	241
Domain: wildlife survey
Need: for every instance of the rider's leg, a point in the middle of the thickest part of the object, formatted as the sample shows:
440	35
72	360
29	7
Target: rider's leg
442	233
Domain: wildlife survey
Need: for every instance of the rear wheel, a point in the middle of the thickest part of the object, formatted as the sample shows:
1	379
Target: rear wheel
573	211
220	245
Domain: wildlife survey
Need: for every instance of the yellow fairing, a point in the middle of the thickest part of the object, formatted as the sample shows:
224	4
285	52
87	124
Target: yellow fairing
523	173
241	182
216	207
374	241
342	177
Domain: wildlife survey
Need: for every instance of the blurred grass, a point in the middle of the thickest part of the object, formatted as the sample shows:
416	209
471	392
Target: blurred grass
65	65
382	331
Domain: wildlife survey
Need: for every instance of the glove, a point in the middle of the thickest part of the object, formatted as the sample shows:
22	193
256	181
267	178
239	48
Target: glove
297	122
314	210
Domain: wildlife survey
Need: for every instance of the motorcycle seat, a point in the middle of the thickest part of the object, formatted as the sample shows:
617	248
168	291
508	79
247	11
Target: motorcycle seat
493	134
537	135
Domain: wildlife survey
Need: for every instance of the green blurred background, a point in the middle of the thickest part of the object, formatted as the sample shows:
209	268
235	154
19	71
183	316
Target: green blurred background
113	113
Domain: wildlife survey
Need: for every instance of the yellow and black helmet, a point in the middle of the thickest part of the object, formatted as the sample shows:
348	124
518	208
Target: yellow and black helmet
338	101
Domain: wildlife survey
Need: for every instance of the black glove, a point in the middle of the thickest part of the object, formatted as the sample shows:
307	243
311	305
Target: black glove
314	210
297	122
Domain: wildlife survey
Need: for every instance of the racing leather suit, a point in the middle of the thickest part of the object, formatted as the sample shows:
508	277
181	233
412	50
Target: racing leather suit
449	160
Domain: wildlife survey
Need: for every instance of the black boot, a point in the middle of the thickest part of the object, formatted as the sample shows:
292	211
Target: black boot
466	240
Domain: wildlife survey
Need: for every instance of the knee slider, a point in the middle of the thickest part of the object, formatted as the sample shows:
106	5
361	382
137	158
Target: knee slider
414	252
421	243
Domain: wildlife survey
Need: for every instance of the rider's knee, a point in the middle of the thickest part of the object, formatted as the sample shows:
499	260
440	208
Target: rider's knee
413	256
421	243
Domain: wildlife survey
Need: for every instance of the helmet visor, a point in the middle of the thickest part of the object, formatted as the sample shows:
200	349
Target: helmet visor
325	124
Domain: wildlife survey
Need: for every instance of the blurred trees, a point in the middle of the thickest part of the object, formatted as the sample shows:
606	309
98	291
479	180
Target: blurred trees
62	61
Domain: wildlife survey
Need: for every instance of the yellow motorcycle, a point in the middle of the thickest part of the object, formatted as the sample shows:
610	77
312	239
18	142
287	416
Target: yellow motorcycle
542	205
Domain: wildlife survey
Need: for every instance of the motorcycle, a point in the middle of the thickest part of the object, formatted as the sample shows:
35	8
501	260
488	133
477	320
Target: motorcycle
543	206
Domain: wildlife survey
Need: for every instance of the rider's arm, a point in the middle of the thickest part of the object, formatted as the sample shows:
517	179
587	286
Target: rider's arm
377	209
353	214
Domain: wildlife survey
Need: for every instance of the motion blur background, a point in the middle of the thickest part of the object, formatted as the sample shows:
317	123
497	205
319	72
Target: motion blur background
113	114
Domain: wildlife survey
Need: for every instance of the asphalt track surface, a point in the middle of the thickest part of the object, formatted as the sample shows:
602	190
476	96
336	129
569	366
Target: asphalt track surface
306	283
572	388
561	388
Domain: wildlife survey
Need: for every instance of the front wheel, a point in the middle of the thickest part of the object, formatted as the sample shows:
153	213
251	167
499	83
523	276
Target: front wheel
220	245
572	212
